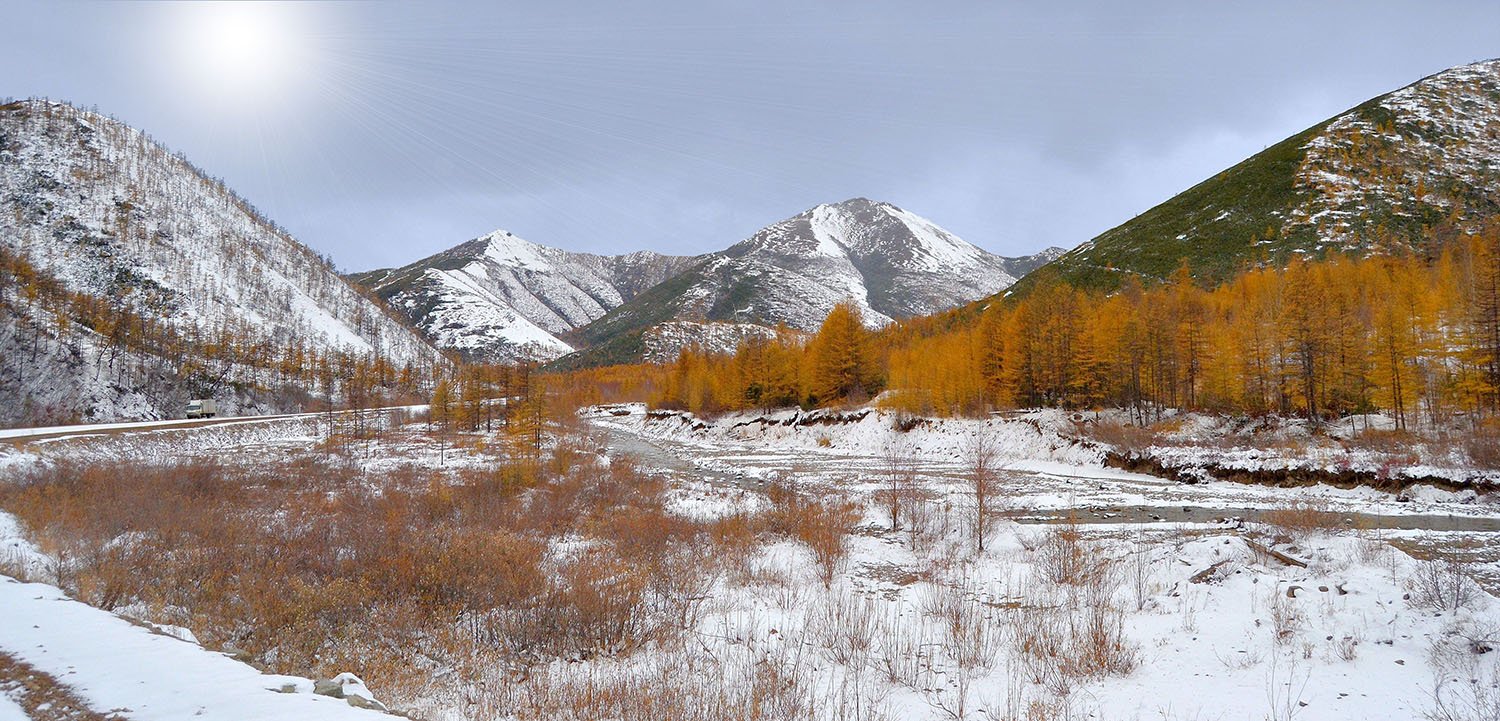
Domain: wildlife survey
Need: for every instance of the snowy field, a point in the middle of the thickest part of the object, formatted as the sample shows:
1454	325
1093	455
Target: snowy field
1219	628
1100	594
1046	469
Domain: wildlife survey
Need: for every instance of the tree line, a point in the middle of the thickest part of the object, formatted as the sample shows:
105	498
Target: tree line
1414	335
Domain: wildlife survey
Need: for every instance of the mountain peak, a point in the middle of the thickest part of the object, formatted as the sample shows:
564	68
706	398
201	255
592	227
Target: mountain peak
856	203
892	263
506	248
500	297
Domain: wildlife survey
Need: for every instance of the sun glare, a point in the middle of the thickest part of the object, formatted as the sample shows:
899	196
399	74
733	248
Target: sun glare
243	51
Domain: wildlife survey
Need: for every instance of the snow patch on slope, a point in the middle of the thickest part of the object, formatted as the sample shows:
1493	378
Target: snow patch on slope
113	664
937	250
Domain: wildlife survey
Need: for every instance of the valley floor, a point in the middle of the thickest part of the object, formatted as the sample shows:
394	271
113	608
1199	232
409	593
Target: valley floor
1099	594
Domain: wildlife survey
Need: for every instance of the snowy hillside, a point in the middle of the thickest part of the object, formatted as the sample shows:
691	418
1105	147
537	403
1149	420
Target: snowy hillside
502	298
891	262
662	343
1426	154
100	209
1402	171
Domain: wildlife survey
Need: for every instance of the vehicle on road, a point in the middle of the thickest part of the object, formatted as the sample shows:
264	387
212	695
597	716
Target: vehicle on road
202	408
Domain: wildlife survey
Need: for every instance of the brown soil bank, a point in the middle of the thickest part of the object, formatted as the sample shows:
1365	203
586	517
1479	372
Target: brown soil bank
1291	477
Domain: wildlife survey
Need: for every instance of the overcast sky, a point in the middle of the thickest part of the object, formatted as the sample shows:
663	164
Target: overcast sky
381	133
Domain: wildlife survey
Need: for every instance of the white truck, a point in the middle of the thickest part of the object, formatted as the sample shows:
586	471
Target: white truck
202	408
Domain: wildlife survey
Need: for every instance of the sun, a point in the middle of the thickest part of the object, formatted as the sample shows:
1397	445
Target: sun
241	45
243	52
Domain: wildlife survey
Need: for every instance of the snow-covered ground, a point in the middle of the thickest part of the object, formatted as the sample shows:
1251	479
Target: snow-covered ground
1199	607
139	671
62	432
87	429
1041	458
116	666
1217	626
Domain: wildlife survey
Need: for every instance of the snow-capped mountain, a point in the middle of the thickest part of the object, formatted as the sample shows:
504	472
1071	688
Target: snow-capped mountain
892	263
97	209
501	298
1400	172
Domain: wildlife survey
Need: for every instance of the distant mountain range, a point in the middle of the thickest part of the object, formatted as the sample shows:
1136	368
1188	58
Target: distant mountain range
892	263
95	214
132	281
501	298
1393	174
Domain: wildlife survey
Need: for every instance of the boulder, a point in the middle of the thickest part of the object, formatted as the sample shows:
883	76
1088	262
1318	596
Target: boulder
369	703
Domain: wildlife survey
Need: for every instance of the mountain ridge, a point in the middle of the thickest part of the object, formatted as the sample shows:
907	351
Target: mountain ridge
892	263
1391	174
502	298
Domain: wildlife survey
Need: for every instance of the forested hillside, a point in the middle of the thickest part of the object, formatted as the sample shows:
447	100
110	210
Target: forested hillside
132	281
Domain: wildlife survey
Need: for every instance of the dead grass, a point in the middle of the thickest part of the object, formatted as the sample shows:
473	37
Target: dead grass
1124	437
1483	446
1299	520
461	569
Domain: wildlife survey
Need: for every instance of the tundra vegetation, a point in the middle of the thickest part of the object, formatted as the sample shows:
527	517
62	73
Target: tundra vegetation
529	575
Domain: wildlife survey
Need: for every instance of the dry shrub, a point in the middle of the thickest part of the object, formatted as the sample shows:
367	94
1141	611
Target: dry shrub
598	605
1070	627
1302	519
1123	437
1383	441
1286	617
824	527
822	524
1482	446
1347	647
1441	585
1466	697
450	569
972	636
1066	559
734	539
846	627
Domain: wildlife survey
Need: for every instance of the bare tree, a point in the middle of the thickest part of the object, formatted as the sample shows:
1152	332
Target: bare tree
984	478
900	468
